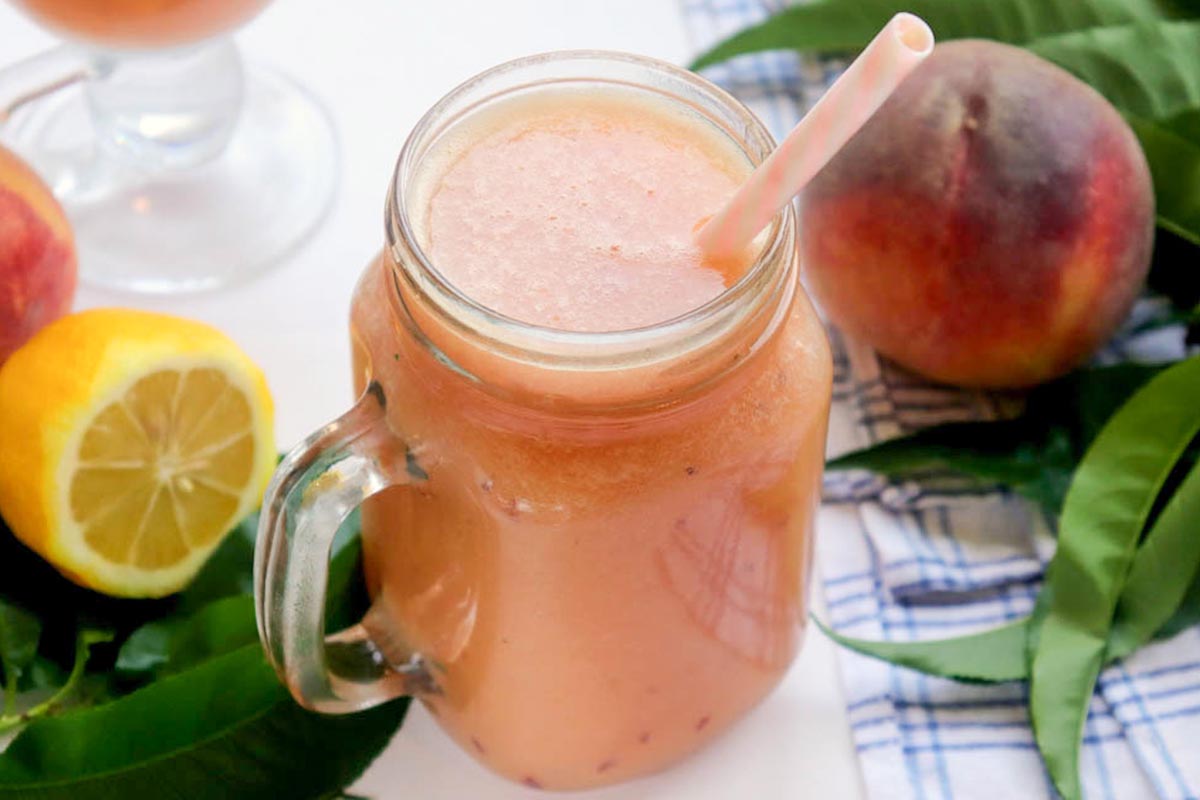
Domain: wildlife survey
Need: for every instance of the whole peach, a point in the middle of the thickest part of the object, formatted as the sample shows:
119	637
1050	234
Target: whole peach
990	226
37	255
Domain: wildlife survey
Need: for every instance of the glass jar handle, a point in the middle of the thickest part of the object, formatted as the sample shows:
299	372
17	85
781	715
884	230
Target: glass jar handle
315	488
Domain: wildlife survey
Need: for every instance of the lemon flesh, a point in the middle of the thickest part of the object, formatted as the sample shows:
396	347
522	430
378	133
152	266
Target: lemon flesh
153	439
172	457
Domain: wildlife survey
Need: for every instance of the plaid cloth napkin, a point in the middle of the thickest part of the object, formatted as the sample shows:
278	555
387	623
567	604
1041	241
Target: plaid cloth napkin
907	562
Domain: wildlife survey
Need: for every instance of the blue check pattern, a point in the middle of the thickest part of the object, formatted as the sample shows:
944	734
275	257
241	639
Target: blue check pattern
901	561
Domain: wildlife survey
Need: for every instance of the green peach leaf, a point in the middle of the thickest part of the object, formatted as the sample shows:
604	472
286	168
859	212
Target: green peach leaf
225	730
172	644
42	673
1175	168
1111	497
1162	571
996	655
843	26
19	634
181	640
1185	124
1150	70
1034	455
1159	597
1186	615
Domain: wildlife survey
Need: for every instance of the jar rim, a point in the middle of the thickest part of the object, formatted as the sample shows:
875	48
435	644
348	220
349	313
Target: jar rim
584	349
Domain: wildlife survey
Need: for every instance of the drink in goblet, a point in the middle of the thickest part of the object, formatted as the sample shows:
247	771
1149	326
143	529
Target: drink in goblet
142	23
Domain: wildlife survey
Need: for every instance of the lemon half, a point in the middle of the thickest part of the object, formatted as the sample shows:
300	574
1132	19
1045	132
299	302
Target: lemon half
130	443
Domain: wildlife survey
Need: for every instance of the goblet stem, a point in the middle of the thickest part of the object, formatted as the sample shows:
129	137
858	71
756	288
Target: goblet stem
180	170
172	109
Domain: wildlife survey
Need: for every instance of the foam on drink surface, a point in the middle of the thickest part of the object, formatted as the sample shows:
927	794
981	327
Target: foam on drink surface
576	209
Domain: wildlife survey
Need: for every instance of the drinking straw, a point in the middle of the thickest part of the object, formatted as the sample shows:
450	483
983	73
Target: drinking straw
894	52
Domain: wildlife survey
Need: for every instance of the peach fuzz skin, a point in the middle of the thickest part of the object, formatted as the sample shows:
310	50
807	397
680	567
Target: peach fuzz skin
991	226
37	256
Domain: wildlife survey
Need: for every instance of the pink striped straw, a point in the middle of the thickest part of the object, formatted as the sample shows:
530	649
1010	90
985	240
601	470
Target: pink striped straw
857	94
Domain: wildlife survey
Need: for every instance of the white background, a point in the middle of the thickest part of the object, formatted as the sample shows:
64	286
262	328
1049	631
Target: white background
378	64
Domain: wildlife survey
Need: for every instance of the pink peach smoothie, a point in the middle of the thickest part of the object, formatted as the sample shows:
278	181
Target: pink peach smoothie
603	570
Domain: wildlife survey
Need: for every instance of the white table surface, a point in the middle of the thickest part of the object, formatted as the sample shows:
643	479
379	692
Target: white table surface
378	64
